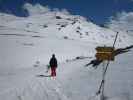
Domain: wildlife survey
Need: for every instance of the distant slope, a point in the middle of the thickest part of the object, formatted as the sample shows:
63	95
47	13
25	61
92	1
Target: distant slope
42	34
57	24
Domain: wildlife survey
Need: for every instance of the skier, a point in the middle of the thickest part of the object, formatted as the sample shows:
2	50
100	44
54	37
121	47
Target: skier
53	65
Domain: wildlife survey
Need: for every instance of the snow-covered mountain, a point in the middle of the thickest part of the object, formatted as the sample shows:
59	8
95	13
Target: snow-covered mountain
122	22
44	22
27	44
51	26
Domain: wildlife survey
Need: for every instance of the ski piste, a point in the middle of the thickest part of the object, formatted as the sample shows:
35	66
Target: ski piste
23	41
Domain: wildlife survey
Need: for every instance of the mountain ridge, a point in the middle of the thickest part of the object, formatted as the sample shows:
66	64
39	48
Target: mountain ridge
55	23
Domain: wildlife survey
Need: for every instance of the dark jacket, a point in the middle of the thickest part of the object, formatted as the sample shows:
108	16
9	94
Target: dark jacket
53	62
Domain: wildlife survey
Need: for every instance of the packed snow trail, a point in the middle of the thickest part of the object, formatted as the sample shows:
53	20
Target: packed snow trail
32	87
73	82
25	84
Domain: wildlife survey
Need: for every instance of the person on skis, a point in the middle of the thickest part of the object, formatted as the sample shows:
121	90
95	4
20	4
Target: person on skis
53	65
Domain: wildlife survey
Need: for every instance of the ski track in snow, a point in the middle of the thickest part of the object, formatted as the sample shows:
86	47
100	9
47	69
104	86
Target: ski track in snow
35	88
67	85
41	88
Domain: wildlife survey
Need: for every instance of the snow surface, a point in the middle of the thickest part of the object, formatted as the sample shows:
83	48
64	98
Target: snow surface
28	43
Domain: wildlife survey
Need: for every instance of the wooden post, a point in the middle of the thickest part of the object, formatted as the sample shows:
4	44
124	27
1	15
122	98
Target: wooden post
105	54
103	82
115	39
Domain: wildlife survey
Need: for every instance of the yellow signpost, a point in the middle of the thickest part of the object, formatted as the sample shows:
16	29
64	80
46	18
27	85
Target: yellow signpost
105	53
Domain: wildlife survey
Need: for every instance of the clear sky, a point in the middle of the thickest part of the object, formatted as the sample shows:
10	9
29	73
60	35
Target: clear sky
97	10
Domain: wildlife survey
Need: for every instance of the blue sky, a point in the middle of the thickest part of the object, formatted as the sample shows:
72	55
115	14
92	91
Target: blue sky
97	10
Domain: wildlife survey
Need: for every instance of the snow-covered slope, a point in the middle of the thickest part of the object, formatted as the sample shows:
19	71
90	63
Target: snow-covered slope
28	43
57	24
5	18
53	32
73	82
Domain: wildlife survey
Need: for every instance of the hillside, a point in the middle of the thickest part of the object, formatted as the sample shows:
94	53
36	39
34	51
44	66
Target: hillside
57	24
27	44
